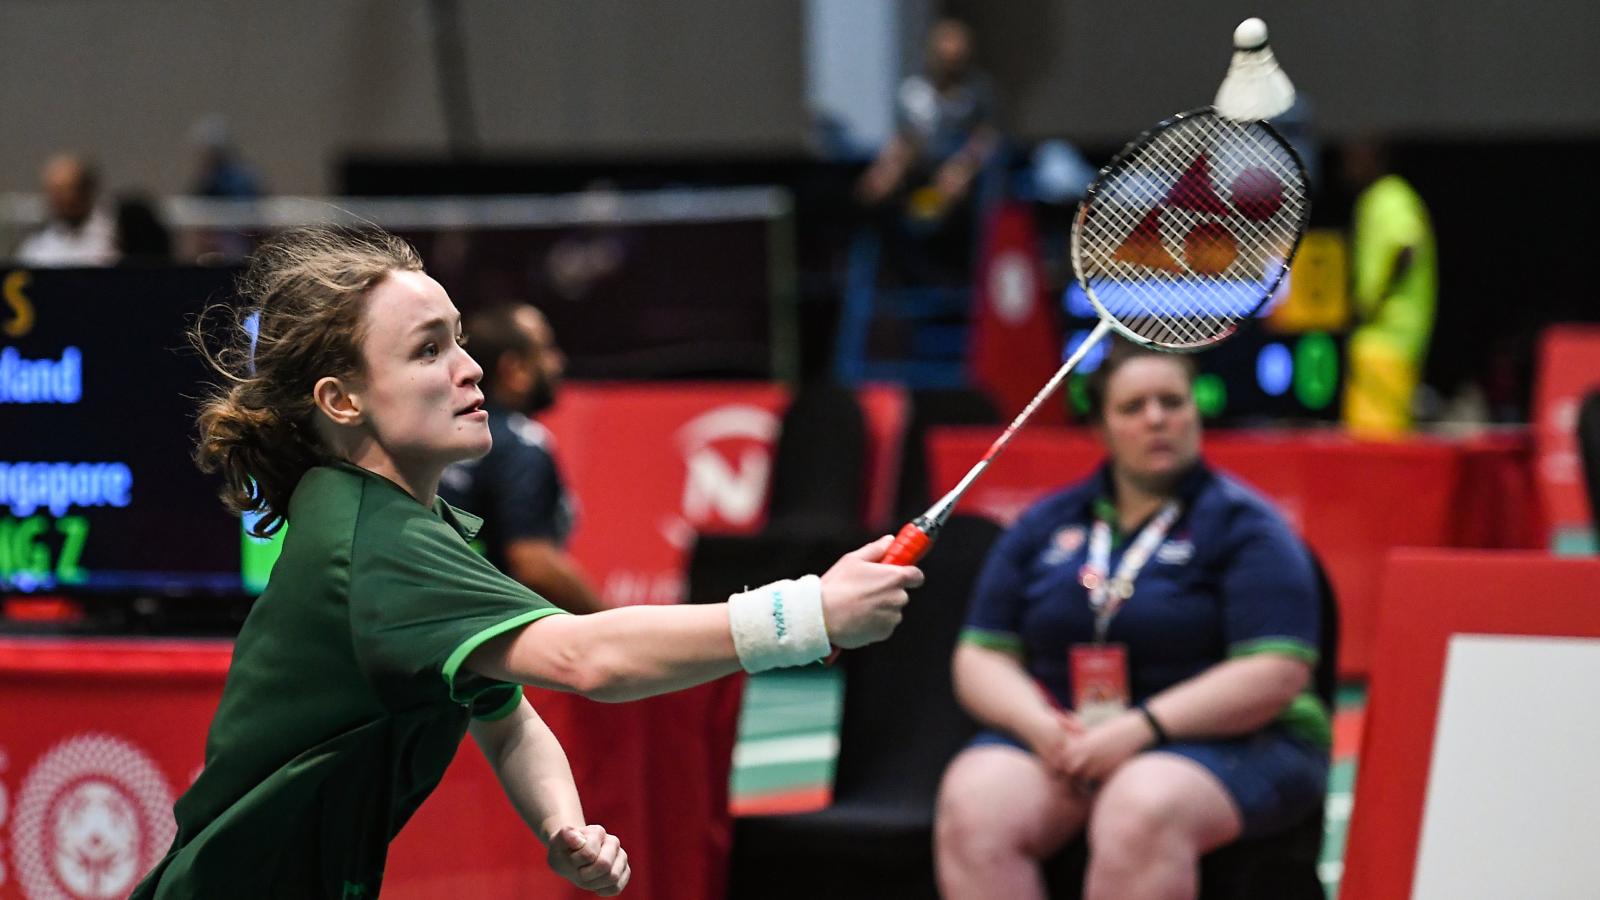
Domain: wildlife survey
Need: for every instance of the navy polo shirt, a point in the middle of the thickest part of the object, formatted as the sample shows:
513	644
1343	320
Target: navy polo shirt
1231	579
516	488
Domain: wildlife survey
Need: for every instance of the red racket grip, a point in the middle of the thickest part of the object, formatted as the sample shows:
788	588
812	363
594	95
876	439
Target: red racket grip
910	545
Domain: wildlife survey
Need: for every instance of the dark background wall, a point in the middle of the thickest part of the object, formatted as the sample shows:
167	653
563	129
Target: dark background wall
1102	69
303	81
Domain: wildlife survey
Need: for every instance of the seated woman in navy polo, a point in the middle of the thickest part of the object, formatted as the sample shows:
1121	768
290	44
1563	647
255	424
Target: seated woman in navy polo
1140	648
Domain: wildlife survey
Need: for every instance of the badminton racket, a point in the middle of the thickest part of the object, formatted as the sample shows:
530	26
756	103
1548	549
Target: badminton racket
1180	239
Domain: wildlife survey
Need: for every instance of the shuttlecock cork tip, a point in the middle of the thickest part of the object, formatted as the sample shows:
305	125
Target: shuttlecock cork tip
1250	35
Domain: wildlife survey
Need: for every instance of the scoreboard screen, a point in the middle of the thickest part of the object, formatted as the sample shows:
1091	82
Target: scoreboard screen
98	493
1261	375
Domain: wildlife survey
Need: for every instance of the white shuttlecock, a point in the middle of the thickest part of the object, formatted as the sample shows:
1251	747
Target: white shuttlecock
1255	87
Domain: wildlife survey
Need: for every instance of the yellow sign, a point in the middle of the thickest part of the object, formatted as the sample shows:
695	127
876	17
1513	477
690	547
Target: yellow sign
21	309
1319	286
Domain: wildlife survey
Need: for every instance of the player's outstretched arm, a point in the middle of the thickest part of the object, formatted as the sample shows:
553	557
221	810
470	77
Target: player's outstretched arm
640	651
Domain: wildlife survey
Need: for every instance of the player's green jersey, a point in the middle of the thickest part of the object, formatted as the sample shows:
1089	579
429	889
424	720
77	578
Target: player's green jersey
346	698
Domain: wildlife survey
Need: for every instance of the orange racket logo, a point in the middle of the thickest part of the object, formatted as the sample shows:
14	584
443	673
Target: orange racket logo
1210	246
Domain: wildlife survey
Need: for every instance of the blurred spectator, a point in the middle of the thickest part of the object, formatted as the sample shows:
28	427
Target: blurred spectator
946	138
77	233
517	488
1394	290
946	131
141	237
222	173
1161	722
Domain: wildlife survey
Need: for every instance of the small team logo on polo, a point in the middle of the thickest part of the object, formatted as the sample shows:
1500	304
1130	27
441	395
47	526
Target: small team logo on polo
1064	544
92	816
1175	552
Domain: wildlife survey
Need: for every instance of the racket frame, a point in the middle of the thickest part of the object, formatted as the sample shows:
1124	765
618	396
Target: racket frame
929	523
1106	171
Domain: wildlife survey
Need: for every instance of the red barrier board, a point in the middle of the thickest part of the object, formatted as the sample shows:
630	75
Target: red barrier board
652	465
97	738
1429	596
1352	500
1569	367
649	466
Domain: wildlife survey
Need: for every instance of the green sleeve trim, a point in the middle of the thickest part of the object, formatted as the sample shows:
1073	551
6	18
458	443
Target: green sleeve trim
1004	641
465	648
505	709
1306	718
1294	648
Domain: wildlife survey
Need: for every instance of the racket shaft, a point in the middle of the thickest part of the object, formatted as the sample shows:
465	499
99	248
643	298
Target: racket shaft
1100	330
913	541
942	509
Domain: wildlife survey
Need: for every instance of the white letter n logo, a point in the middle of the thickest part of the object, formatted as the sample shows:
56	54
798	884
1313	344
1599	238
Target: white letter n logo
727	461
712	486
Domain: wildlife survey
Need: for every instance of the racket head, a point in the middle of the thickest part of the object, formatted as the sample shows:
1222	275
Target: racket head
1190	229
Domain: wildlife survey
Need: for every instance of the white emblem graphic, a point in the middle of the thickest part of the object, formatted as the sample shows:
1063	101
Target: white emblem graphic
92	817
1063	545
1012	287
727	455
1176	552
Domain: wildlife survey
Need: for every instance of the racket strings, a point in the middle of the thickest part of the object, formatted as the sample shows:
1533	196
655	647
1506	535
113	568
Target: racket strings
1186	236
1191	207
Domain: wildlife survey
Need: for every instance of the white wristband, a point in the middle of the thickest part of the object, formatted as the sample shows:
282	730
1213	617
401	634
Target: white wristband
779	625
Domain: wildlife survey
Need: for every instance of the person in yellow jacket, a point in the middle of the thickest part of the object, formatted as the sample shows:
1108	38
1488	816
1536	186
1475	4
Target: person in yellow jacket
1394	288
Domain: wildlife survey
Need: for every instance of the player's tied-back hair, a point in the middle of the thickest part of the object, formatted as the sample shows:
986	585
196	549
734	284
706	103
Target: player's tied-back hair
298	319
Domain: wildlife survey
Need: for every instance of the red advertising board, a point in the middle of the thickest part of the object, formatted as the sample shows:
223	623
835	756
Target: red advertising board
98	738
1352	500
1569	367
1429	597
652	465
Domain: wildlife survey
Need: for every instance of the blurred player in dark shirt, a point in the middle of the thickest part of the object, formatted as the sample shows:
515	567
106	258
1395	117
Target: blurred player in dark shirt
517	488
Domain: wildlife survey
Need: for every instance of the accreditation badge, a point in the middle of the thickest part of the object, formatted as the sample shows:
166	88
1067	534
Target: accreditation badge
1099	681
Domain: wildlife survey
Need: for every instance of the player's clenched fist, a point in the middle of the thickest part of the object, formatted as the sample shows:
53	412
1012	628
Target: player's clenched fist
862	598
590	859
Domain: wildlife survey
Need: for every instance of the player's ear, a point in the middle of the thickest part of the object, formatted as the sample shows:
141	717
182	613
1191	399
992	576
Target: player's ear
337	400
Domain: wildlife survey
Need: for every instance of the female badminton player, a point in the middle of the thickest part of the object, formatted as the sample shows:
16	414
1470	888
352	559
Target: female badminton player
382	637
